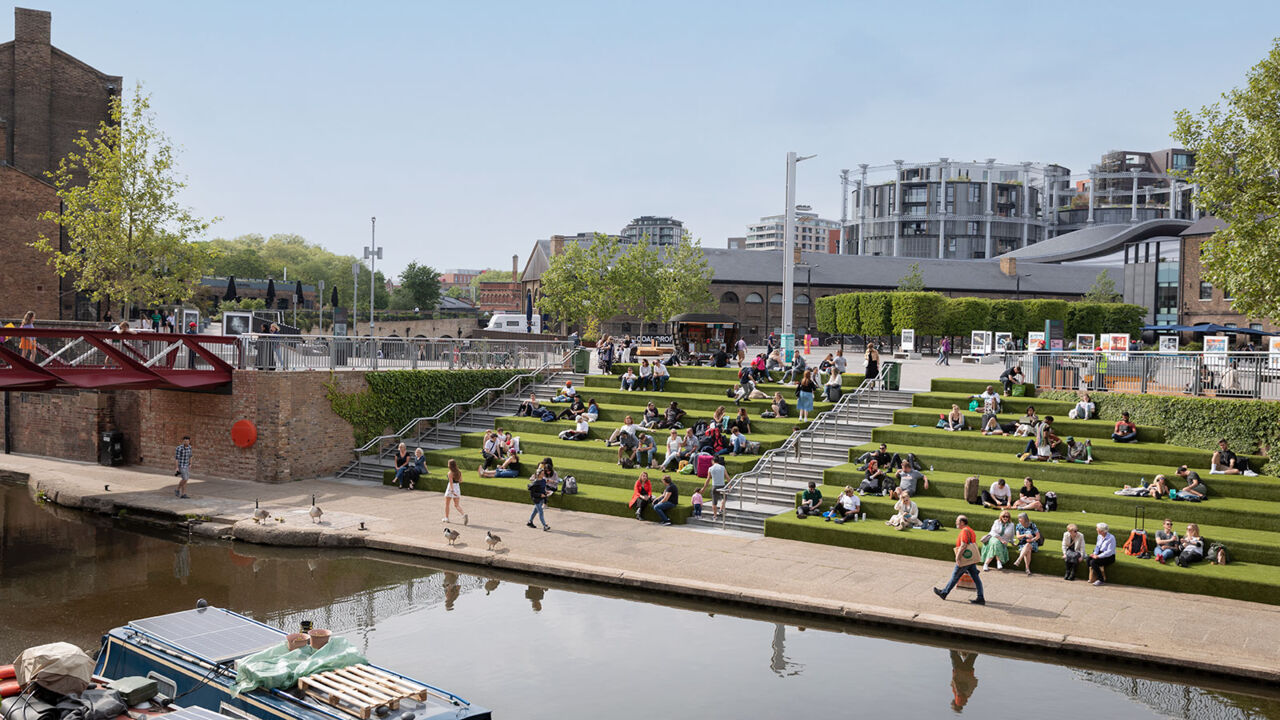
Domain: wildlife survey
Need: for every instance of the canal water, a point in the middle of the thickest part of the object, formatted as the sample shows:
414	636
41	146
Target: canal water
533	649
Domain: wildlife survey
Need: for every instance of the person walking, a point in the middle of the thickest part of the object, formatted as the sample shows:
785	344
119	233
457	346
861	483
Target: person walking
967	556
741	347
944	352
453	492
28	344
538	493
182	456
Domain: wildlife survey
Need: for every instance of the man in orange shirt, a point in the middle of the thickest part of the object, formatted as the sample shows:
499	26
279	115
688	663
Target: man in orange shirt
967	556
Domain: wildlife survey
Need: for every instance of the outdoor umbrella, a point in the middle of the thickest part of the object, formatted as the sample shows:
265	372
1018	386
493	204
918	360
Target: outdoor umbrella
333	298
528	311
271	293
298	297
230	294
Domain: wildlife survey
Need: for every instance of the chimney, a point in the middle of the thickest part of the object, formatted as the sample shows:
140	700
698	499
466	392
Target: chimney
1009	266
515	268
797	254
557	245
32	26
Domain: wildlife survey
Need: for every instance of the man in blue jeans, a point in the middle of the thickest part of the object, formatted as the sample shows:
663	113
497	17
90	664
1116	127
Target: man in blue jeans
670	498
966	542
538	493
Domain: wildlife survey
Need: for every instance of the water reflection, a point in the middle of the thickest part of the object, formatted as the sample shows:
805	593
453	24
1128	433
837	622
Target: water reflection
963	680
778	662
534	595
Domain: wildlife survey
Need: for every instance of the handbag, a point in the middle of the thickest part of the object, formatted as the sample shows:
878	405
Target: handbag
1019	391
968	554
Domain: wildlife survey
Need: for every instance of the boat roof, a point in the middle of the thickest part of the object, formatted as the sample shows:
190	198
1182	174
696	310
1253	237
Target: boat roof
210	633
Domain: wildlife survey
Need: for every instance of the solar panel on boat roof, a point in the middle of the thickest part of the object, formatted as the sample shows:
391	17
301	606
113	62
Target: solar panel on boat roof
193	713
210	633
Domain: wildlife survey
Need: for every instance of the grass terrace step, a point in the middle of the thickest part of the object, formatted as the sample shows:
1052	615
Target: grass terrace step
849	380
709	388
1015	405
1239	580
970	386
539	446
1218	519
689	402
1105	450
1063	425
1106	474
531	429
600	499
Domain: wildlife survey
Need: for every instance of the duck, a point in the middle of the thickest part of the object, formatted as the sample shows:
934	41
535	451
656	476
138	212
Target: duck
491	540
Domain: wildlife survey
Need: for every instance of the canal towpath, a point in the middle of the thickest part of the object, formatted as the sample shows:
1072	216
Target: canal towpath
1041	612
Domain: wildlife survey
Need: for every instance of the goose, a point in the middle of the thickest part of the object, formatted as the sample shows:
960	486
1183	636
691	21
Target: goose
491	540
258	513
315	511
451	535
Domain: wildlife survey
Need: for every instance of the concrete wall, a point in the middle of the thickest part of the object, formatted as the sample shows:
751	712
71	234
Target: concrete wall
299	436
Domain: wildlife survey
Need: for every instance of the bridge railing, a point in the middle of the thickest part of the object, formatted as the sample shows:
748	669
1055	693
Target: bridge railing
1253	375
312	352
38	358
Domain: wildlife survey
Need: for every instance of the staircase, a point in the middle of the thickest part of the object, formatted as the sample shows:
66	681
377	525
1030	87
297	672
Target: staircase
449	435
771	486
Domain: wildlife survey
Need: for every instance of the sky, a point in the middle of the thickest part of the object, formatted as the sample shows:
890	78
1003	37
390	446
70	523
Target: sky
472	129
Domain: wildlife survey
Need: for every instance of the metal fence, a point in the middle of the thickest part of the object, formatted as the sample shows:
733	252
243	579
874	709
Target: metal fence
1226	375
305	352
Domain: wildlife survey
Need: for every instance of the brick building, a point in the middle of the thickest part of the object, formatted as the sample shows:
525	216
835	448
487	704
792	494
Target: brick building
46	98
1201	301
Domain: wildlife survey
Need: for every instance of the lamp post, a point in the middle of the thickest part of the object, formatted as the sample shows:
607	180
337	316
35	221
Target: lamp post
373	253
1018	285
355	295
788	256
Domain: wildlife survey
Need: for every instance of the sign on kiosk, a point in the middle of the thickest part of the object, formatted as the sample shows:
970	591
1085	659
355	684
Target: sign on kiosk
980	342
1215	351
1168	344
1004	342
908	341
1273	355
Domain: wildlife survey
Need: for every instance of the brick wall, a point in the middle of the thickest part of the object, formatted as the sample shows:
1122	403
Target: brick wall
1216	309
27	282
298	434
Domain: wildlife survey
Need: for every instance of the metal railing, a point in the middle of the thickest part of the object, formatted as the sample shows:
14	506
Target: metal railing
1252	375
825	426
310	352
38	358
453	413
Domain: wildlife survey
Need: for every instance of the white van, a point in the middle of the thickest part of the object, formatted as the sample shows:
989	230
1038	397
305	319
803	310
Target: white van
514	322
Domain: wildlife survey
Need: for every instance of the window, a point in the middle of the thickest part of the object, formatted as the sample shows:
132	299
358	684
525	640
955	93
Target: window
973	227
626	327
729	297
802	299
1255	326
754	298
775	299
975	192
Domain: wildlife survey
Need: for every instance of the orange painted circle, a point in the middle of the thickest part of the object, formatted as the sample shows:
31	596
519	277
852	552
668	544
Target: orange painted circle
244	433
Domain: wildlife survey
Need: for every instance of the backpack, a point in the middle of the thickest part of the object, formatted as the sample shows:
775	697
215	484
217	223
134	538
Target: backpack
972	492
700	428
1050	501
570	485
628	463
930	524
548	416
753	448
768	414
973	405
1216	550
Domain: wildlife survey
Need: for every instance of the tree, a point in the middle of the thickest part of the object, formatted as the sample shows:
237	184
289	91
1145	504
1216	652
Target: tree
253	256
921	311
128	236
913	281
422	282
1236	167
1103	289
458	293
575	286
684	280
490	276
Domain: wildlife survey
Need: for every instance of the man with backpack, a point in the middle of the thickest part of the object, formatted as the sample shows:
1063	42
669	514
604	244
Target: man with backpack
539	494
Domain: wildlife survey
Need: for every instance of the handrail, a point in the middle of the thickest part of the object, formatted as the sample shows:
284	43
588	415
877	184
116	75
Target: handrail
516	380
820	424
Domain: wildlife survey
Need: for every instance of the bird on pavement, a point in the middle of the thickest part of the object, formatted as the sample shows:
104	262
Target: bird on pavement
258	513
451	535
315	511
491	540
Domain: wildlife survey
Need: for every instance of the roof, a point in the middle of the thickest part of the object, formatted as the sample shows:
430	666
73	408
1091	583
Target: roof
718	318
1098	240
1206	225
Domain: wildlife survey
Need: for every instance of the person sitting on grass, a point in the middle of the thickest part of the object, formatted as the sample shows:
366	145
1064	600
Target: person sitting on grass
1072	551
1028	539
689	446
952	421
1192	547
1226	462
875	480
999	495
1026	425
628	381
759	369
646	452
909	481
990	397
575	409
737	441
714	442
581	431
593	411
795	370
810	502
741	421
1010	377
566	393
1079	452
995	544
1104	554
773	364
497	472
991	425
779	406
824	367
1040	446
651	416
846	507
672	416
530	407
1158	489
833	388
719	418
1125	430
671	460
490	452
1167	543
1196	490
906	513
641	495
1084	409
1028	497
628	427
660	376
509	443
645	379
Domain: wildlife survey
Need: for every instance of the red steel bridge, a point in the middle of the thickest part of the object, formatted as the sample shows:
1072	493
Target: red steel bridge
41	359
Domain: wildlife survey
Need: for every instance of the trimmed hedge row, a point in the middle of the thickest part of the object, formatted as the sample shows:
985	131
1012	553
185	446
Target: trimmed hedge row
1251	426
394	397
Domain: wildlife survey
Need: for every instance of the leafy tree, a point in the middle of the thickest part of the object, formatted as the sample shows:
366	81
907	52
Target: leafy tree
1236	162
1103	289
684	280
1008	316
847	320
422	283
1038	311
491	276
921	311
128	236
576	285
253	256
457	292
966	314
913	281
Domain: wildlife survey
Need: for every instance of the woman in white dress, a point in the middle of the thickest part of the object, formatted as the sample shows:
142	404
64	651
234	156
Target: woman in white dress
453	492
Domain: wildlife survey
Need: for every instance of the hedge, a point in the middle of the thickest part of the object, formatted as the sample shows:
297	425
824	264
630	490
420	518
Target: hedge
919	310
1098	318
1009	316
847	314
964	315
1251	426
394	397
874	313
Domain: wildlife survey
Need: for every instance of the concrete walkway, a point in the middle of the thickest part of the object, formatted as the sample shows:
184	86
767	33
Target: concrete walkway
1228	637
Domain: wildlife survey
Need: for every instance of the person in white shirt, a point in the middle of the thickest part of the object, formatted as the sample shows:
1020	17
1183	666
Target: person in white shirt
566	393
999	495
990	395
660	376
674	444
579	432
846	507
646	375
907	513
628	381
1104	554
1084	409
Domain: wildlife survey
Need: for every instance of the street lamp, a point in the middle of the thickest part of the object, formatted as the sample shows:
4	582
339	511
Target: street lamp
788	255
372	253
1018	285
355	296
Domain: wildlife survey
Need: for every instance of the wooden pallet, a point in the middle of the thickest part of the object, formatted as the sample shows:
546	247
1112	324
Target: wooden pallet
360	689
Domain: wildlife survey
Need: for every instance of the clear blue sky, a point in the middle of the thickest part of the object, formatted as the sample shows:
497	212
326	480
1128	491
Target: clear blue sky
470	129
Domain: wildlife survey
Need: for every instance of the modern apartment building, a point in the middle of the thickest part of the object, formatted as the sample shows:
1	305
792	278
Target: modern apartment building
951	209
1129	186
812	233
659	230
